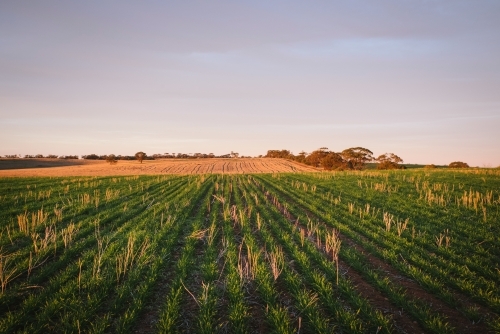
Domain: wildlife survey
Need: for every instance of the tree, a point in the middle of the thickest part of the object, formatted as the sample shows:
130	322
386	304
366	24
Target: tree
315	158
140	156
357	157
388	161
91	157
332	161
458	164
301	157
284	154
111	159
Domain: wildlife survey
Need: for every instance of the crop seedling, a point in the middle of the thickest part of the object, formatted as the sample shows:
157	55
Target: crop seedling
249	253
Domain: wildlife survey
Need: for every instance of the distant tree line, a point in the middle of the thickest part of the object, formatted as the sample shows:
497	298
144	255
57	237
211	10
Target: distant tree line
196	155
354	158
116	157
144	156
50	156
129	157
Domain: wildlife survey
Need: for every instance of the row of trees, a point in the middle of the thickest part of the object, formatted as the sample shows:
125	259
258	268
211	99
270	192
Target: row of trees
454	164
163	156
196	155
140	156
112	159
130	157
116	157
40	156
352	158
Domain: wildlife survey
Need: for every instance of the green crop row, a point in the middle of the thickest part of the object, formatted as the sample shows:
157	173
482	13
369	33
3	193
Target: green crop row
438	274
348	252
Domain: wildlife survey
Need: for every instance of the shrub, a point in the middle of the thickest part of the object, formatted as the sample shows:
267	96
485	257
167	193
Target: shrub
389	161
111	159
458	164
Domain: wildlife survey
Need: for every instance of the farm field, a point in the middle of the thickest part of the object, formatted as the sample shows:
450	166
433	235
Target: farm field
61	167
407	251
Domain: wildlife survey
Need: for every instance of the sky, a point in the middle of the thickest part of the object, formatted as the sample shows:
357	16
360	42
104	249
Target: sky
420	78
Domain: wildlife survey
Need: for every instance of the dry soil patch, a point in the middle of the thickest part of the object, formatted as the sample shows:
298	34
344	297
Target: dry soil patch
57	167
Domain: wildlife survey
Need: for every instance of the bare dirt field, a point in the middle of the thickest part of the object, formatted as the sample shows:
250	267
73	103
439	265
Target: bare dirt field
56	167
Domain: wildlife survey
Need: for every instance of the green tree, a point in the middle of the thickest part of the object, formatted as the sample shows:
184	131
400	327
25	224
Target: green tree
314	159
388	161
357	157
332	160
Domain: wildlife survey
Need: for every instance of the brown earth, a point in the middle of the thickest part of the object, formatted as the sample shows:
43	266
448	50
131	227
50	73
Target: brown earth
59	167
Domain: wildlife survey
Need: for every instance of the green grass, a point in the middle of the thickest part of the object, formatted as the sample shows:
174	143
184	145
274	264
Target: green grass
246	253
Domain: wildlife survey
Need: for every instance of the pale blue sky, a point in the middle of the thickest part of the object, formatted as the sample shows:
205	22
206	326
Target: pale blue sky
417	78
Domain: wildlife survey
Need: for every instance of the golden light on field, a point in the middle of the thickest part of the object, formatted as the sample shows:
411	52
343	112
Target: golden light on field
31	167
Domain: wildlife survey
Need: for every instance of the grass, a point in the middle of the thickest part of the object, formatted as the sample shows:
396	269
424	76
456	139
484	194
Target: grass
270	253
